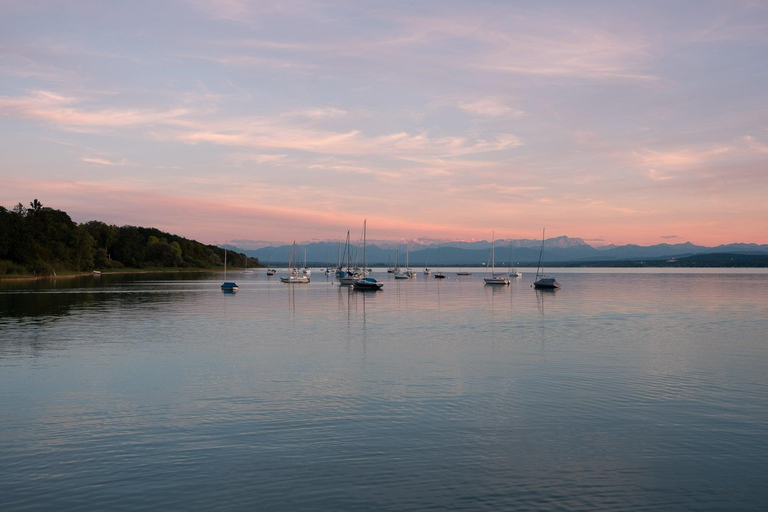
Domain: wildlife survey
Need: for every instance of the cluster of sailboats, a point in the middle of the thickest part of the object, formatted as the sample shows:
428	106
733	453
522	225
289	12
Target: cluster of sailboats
541	281
359	279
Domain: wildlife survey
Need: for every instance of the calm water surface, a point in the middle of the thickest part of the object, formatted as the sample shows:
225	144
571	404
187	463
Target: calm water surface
621	391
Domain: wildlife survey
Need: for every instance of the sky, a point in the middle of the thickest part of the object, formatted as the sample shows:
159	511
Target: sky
612	121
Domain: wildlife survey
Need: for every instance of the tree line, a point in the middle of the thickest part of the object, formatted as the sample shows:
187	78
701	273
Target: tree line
41	240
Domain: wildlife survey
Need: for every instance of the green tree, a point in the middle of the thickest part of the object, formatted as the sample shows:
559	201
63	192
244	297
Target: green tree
84	249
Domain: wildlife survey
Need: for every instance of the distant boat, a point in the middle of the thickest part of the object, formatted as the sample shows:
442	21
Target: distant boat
366	283
348	277
438	274
543	281
228	286
97	272
270	271
462	272
294	278
399	273
245	269
306	271
495	279
512	271
408	270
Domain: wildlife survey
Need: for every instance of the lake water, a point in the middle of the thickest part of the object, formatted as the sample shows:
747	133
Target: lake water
621	391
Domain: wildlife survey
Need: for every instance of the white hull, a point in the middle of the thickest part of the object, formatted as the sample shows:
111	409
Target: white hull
294	279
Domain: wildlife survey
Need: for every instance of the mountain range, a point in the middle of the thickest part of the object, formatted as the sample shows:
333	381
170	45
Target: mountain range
525	252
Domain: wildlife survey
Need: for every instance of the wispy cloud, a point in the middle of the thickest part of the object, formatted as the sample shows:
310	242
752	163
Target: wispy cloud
489	106
276	134
256	158
104	161
65	111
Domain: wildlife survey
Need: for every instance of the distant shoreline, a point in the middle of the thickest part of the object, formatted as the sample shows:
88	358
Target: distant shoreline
169	270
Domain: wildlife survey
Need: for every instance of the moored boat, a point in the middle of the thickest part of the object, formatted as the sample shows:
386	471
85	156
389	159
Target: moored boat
228	286
495	278
294	277
366	283
543	281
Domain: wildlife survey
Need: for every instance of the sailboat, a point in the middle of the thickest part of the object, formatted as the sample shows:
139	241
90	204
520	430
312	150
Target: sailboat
245	269
408	273
390	270
462	272
306	271
543	281
438	274
399	273
294	278
349	277
495	279
408	270
427	270
270	271
228	286
366	283
512	271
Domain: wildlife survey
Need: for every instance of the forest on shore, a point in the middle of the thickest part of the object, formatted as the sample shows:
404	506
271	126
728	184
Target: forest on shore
41	241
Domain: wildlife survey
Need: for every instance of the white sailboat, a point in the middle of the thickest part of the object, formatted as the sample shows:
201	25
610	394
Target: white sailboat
306	271
408	270
294	278
245	269
495	279
512	271
399	273
543	281
366	283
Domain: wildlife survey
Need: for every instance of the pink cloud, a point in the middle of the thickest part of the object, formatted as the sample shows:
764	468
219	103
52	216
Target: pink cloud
104	161
62	110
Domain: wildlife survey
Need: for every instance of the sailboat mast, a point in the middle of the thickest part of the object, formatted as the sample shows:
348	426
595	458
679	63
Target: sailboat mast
493	253
225	261
541	252
365	259
349	256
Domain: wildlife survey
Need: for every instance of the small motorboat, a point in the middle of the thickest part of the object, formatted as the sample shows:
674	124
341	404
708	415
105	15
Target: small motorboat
294	279
229	287
367	283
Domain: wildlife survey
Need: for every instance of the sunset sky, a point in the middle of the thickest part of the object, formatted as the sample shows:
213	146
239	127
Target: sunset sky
614	121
